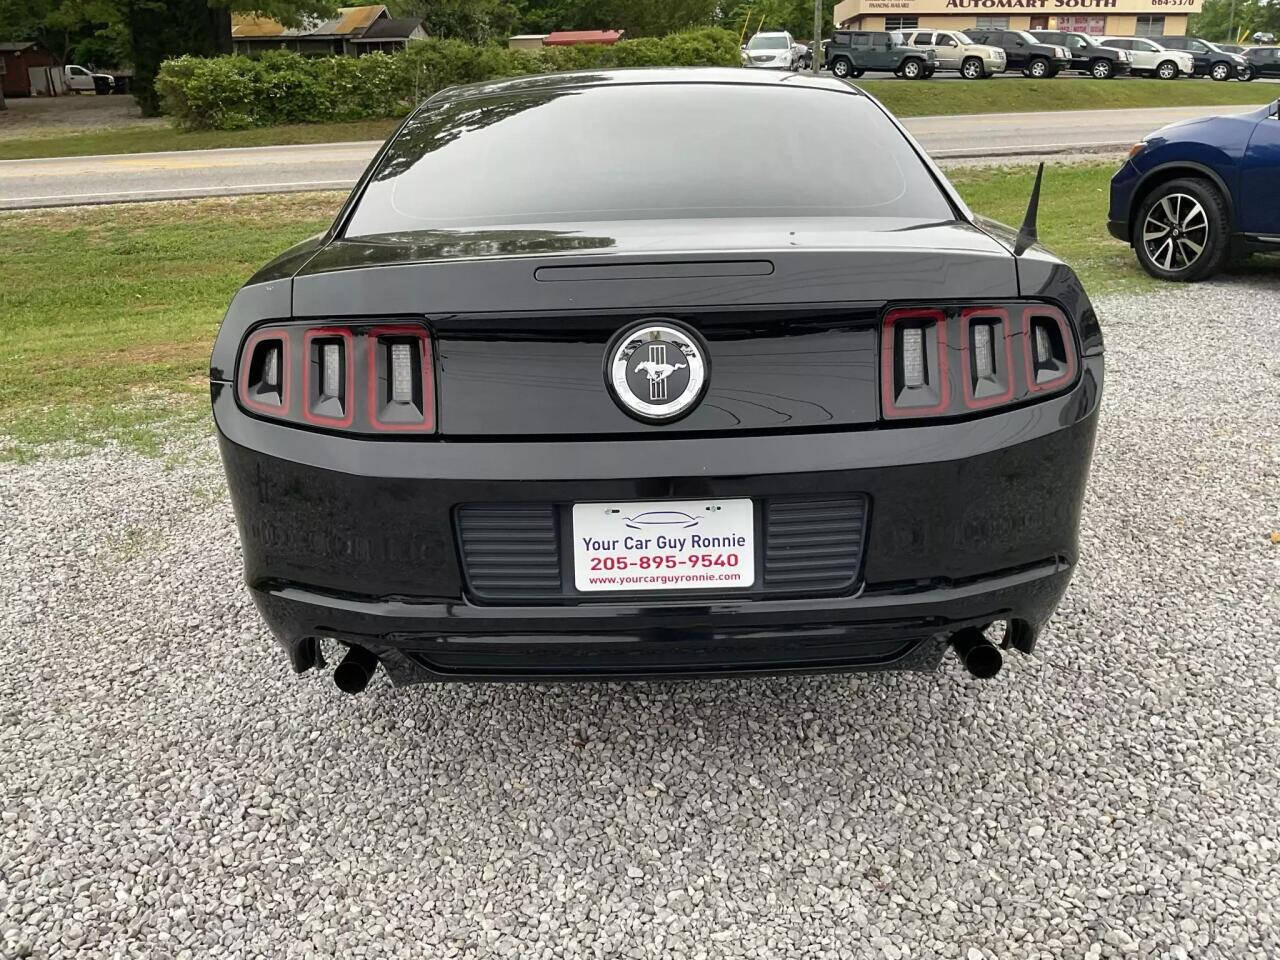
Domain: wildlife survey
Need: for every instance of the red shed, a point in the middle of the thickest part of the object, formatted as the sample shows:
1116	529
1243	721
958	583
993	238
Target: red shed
17	59
571	38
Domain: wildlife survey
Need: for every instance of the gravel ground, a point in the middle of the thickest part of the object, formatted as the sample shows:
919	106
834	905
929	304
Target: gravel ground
53	116
170	789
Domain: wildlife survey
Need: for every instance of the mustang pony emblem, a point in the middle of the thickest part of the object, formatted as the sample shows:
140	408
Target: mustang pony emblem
658	371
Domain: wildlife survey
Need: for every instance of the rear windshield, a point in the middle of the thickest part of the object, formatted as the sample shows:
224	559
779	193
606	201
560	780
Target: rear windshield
775	42
646	151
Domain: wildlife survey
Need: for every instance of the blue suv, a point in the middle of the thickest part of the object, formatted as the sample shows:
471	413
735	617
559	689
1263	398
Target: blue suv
1195	193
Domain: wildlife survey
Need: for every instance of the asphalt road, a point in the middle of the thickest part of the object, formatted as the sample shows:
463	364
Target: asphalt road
199	173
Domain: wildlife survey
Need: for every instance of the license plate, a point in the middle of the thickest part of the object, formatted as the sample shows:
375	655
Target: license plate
664	545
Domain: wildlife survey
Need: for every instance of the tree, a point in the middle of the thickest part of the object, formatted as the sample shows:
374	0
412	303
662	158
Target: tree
57	25
793	16
475	21
1215	21
146	32
639	18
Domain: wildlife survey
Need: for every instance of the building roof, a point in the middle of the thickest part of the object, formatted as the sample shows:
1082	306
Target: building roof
17	47
568	38
390	28
351	22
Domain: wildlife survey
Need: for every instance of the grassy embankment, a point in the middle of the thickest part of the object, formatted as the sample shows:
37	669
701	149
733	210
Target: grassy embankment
1020	95
152	139
106	320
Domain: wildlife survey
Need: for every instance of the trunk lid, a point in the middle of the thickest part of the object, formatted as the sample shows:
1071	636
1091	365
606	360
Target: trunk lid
522	319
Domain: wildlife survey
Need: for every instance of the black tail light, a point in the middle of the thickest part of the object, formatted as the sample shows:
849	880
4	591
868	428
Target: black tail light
359	378
327	377
401	381
1051	355
948	361
264	372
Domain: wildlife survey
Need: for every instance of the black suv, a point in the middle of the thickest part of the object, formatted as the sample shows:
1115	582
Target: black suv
1265	61
1087	55
851	53
1211	60
1024	52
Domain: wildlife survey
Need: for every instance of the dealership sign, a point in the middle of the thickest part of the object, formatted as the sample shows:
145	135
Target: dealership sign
852	8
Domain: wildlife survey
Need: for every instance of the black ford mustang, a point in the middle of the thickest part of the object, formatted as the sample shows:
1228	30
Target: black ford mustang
600	374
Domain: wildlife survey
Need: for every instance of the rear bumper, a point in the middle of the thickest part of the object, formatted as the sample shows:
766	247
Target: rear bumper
354	539
899	629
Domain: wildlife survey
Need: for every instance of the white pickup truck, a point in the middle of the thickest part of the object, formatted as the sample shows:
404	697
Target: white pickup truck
80	80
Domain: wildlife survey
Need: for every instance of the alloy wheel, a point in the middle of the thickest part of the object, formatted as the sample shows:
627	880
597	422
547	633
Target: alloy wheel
1039	69
840	68
1167	71
1221	71
911	69
1175	232
972	69
1102	70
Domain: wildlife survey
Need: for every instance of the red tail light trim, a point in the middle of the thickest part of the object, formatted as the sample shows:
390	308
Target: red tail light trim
1028	352
286	372
888	344
373	344
967	316
348	349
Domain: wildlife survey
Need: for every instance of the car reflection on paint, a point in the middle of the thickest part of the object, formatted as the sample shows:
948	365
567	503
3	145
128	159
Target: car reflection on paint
662	518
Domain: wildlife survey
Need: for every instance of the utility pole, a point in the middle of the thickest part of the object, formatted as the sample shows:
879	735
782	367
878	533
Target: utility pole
1231	24
815	52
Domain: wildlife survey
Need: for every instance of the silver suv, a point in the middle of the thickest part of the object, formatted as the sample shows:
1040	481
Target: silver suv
777	51
955	51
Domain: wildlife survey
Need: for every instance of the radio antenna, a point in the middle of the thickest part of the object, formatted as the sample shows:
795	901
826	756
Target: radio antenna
1027	235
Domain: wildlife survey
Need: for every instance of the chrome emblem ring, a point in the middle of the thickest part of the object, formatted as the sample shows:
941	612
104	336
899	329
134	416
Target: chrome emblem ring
657	371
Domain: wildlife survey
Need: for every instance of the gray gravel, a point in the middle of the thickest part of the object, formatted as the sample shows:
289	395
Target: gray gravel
169	789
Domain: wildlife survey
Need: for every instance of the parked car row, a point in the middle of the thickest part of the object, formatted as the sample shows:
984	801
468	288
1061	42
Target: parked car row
978	53
1210	60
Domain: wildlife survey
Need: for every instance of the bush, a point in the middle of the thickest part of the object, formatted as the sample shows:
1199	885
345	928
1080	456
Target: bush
229	93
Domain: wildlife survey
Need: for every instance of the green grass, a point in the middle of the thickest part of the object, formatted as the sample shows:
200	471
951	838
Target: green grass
1072	221
150	139
928	98
107	314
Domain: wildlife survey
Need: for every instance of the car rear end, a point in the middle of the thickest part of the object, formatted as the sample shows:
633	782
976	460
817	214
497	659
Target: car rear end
430	463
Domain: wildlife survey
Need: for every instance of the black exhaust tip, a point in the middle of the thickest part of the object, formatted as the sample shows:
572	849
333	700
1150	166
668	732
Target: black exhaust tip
355	671
978	654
